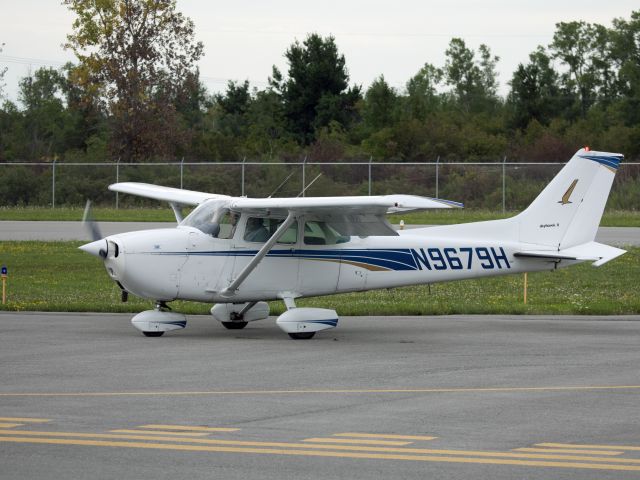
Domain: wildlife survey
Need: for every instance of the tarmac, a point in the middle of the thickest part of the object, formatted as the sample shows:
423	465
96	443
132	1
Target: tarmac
482	397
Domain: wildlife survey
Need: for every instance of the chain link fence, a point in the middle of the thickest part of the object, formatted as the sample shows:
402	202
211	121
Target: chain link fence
495	186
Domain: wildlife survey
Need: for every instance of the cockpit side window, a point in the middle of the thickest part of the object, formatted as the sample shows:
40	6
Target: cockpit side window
213	219
259	230
228	222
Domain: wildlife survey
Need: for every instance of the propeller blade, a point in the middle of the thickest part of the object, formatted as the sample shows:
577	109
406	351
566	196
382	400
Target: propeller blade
90	225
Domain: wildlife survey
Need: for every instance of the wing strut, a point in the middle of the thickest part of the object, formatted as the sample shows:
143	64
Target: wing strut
233	286
177	211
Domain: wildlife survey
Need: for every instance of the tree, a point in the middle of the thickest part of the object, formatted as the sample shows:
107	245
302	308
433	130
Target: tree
474	82
88	115
488	72
232	108
2	72
268	132
573	45
421	90
535	93
380	105
625	54
602	64
136	53
46	121
316	91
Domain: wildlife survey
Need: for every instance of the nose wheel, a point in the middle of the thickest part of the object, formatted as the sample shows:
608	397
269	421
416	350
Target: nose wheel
161	306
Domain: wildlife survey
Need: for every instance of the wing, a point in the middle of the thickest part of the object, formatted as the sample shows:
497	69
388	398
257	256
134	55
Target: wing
366	205
360	216
167	194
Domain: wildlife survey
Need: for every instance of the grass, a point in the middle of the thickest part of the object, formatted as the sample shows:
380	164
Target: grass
56	276
612	218
160	214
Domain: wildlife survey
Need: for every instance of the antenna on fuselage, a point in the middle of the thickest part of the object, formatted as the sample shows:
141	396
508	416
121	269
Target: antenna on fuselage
281	185
310	183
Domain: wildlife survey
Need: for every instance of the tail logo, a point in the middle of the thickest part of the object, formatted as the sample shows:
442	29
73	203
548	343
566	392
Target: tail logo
567	194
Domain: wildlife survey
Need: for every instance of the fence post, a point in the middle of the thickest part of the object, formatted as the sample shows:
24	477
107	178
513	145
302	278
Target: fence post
438	177
370	159
53	184
117	181
181	172
504	176
304	180
244	159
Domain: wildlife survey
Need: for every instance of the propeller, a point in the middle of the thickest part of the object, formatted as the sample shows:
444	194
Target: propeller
99	247
89	223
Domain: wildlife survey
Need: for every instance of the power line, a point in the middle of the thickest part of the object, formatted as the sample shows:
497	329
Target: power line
56	63
388	34
30	61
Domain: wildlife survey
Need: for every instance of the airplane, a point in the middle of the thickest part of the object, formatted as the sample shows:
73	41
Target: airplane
238	253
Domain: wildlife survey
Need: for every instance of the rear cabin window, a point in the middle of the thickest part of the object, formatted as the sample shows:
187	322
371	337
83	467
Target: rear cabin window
320	233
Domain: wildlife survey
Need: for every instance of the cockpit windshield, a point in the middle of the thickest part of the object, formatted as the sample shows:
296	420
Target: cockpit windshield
213	218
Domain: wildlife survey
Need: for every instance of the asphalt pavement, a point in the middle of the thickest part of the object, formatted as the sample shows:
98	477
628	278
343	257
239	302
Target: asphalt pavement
477	397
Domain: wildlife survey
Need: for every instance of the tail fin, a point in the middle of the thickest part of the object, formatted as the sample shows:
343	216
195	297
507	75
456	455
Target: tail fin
568	211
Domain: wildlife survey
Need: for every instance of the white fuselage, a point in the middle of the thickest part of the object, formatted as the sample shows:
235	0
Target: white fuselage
185	263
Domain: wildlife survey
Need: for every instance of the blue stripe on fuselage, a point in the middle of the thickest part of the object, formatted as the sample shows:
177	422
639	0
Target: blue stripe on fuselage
400	259
391	259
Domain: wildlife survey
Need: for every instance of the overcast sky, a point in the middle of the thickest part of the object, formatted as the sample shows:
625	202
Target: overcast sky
243	39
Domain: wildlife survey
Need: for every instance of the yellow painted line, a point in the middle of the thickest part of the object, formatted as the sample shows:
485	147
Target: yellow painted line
606	447
384	435
160	432
308	446
361	442
329	391
190	428
26	420
316	453
567	450
10	425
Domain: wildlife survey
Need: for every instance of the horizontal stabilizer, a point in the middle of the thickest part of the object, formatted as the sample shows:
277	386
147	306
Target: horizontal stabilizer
596	252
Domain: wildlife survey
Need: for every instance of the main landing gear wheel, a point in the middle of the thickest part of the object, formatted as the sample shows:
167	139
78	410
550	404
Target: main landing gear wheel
302	336
234	325
152	334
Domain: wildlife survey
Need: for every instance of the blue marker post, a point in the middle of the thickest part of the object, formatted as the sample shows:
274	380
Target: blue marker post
3	274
